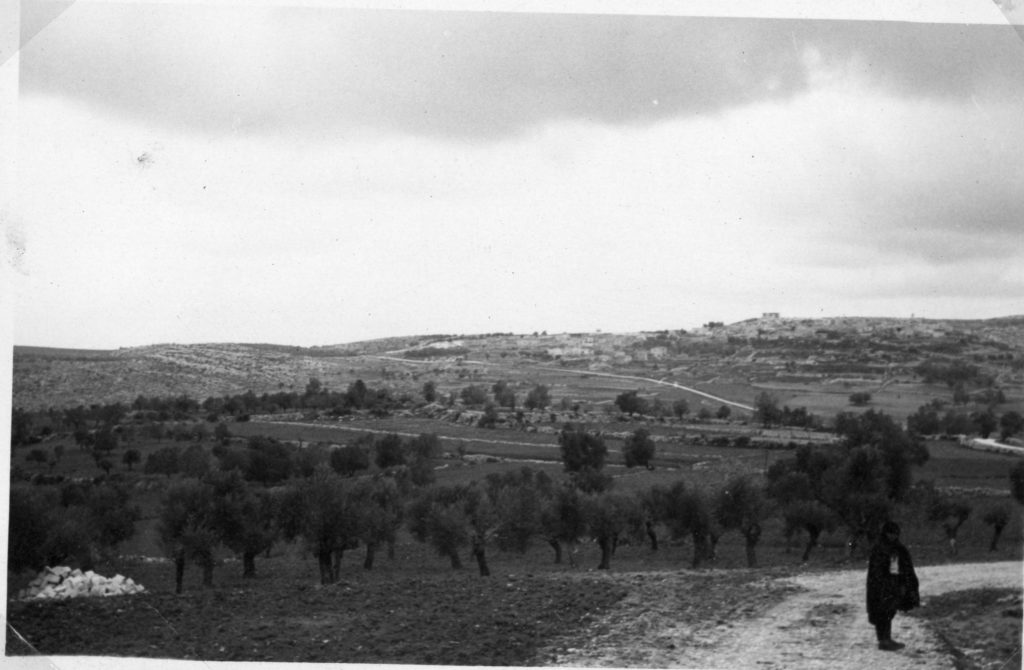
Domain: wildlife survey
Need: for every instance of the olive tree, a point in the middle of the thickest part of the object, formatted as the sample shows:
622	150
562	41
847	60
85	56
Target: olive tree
951	514
1010	424
997	516
246	517
163	461
379	507
30	520
638	449
686	512
188	528
609	517
131	457
581	449
519	499
538	397
1017	482
318	511
811	517
389	451
766	409
630	402
562	519
349	459
452	517
741	505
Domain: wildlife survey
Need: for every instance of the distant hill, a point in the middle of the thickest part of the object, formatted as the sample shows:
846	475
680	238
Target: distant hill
746	352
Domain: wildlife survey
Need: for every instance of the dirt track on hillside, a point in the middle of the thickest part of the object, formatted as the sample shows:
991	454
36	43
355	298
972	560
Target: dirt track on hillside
821	624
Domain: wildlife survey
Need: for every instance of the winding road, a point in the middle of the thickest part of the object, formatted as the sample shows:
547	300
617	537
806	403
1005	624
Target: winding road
589	373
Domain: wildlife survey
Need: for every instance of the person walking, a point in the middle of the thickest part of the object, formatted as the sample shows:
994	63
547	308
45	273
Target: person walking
892	584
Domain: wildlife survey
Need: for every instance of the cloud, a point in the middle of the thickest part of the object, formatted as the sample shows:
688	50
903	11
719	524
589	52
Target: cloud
312	176
478	75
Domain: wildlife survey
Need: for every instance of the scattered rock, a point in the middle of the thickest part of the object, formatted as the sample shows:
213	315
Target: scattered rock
62	582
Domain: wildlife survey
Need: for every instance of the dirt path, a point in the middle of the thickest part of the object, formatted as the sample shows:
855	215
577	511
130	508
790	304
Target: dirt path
822	624
651	380
589	373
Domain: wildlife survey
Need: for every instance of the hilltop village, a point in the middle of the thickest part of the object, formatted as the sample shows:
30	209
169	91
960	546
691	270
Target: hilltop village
803	360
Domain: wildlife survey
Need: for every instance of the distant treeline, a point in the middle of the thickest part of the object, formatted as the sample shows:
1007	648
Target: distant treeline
28	427
431	352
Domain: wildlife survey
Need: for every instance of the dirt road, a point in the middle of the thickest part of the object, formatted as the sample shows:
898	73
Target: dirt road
822	623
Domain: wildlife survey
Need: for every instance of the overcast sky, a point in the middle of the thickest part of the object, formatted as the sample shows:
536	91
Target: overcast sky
311	176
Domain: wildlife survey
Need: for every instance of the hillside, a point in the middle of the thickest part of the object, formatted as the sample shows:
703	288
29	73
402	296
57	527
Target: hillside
812	362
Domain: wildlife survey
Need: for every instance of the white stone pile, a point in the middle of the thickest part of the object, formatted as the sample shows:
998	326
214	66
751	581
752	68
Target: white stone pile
62	582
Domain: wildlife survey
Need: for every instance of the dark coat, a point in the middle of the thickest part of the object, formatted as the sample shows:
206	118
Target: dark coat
890	590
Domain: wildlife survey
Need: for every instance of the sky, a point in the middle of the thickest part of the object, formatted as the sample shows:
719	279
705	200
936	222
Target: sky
320	174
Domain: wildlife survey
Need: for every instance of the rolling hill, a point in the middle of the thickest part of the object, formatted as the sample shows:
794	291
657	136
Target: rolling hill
799	359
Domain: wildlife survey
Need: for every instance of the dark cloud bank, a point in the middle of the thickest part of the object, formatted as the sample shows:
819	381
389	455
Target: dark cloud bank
481	75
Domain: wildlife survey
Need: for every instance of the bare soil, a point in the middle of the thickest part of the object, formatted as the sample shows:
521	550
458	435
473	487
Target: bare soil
451	619
739	618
